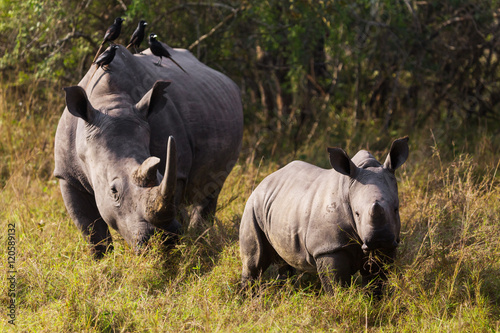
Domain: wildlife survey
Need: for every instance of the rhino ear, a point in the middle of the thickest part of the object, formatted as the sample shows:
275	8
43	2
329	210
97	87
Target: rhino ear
341	162
78	104
154	99
398	154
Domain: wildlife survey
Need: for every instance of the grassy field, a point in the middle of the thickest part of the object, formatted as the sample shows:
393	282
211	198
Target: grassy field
447	276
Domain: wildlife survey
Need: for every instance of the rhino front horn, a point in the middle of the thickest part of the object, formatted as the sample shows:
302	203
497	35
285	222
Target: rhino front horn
160	207
167	186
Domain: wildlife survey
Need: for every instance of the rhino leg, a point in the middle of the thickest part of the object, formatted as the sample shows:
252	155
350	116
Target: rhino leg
285	271
334	268
204	212
84	213
255	250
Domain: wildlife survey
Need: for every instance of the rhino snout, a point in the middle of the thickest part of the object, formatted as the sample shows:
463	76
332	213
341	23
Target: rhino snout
376	242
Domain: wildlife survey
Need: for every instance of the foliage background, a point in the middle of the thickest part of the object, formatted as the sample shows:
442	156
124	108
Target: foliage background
354	74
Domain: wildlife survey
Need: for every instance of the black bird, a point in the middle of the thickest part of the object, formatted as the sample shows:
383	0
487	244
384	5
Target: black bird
111	34
138	35
158	50
106	57
104	60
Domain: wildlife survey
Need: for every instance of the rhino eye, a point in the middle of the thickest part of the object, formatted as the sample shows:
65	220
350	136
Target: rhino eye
357	214
115	193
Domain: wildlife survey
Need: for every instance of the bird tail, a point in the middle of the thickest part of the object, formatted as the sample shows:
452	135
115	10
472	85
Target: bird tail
98	52
95	70
175	62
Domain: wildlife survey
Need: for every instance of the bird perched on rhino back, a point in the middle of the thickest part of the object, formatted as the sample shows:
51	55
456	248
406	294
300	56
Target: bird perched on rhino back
138	35
112	33
106	57
160	51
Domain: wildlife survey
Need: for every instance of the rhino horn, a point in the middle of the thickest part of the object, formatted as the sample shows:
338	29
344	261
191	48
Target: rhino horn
160	207
167	186
145	175
377	213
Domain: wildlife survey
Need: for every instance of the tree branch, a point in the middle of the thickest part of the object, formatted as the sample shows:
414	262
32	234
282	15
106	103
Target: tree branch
191	4
214	29
68	37
447	23
122	4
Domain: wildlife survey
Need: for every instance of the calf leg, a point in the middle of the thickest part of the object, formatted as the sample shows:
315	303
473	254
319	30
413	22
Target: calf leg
256	252
83	211
334	268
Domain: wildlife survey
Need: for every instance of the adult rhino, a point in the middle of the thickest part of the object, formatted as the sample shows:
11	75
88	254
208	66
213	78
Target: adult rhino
334	222
111	152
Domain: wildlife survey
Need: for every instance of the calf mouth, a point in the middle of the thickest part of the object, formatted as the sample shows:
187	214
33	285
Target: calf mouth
380	245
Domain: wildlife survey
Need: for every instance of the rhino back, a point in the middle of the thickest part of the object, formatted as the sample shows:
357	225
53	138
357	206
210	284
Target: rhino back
303	211
210	112
203	112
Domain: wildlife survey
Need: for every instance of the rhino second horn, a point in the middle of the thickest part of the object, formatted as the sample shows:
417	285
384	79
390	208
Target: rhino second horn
145	175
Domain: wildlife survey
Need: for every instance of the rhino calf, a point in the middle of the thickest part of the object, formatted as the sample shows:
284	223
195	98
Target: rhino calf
334	222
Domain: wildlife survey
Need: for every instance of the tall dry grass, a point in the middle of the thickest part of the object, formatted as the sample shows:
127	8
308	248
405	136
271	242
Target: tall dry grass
447	276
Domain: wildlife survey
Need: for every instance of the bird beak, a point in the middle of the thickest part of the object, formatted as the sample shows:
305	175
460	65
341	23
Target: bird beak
154	36
145	23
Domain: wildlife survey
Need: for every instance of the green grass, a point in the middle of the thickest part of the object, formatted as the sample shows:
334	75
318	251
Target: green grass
447	276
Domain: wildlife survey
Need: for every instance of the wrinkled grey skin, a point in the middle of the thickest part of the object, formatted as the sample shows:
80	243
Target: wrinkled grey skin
111	145
325	221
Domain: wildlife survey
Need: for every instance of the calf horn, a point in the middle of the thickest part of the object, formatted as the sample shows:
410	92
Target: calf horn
160	206
377	213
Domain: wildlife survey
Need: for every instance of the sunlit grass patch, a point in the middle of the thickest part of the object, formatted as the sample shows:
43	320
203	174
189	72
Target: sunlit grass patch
446	278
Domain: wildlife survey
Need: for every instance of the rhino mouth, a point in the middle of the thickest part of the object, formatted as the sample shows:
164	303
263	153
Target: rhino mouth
380	245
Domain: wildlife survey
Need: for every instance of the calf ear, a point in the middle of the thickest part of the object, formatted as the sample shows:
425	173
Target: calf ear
154	100
398	154
78	104
342	163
